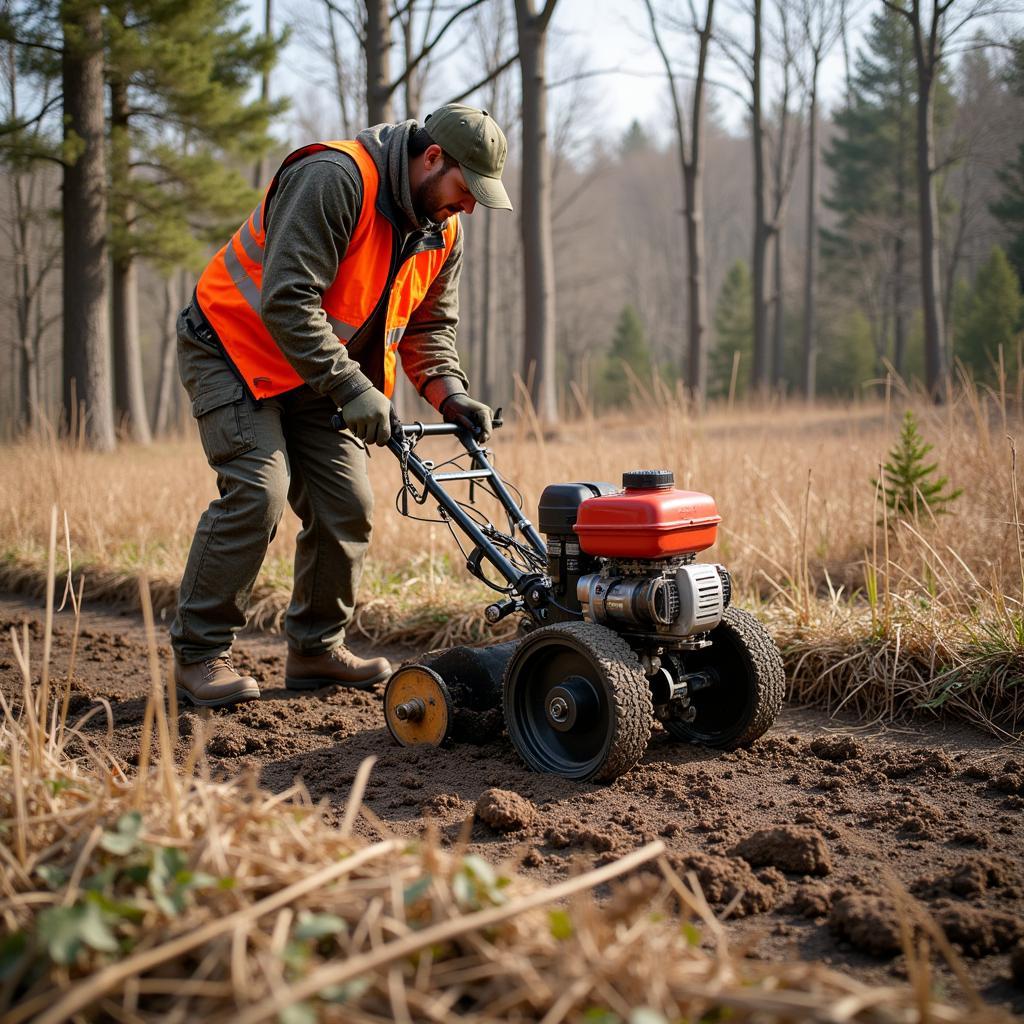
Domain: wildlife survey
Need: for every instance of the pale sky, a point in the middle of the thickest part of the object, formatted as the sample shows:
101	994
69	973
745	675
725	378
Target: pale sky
606	35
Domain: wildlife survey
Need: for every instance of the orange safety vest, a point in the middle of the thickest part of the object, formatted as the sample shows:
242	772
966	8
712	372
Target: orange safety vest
228	291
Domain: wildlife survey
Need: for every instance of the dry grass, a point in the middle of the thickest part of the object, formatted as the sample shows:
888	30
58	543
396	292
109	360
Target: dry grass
170	896
876	618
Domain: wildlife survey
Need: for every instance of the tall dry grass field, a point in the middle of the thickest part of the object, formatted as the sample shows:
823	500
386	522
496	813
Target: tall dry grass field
871	614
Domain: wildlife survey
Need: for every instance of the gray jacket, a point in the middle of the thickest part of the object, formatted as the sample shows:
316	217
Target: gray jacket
310	218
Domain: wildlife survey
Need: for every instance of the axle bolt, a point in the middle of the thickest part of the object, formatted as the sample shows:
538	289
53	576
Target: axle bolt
535	595
411	711
558	709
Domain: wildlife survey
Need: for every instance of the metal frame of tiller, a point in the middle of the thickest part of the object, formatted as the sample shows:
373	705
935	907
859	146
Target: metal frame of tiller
529	590
561	691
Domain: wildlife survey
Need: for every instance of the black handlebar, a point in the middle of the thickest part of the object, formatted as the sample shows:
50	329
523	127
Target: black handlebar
418	429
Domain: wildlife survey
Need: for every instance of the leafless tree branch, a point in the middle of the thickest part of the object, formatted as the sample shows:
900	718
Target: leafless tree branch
488	78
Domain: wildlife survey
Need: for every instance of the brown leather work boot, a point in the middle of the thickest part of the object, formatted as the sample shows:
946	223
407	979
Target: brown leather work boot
214	683
336	667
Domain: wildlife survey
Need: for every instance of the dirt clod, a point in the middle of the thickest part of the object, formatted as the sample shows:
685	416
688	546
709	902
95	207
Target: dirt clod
979	932
226	744
869	923
813	899
1009	782
973	877
725	879
793	848
505	811
443	804
836	748
1017	965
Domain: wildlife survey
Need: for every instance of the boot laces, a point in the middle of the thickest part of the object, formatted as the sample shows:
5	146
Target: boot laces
213	665
343	655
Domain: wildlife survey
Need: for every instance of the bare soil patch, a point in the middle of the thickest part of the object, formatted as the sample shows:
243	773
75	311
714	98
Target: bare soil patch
796	839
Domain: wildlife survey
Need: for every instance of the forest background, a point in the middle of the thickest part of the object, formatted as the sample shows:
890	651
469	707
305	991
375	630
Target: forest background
740	235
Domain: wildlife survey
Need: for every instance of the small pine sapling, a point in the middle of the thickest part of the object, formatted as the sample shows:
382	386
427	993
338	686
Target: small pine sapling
910	484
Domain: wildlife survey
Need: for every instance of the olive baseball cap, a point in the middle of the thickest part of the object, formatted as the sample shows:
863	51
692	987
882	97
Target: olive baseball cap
473	138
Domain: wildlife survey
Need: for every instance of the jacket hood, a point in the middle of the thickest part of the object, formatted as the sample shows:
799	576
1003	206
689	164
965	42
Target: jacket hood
388	144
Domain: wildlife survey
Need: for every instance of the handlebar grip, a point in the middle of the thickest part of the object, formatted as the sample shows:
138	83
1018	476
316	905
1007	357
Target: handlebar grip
338	421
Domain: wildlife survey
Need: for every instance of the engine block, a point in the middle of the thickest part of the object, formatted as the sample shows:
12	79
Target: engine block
670	599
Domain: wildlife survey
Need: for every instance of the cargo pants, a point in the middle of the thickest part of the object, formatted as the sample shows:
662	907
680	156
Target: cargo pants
267	453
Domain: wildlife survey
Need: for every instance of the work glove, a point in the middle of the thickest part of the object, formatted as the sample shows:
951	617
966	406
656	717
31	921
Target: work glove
368	416
473	416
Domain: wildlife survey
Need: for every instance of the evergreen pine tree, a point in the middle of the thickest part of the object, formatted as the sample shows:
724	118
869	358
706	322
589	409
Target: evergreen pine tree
734	333
178	75
910	484
873	143
873	244
991	317
871	157
629	349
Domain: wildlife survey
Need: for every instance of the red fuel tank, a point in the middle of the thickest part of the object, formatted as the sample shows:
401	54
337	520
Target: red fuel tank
649	518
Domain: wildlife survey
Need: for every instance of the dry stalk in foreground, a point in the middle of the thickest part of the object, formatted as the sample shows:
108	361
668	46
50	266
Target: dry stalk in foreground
174	896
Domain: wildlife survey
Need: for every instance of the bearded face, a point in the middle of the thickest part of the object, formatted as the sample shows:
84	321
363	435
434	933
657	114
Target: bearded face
442	194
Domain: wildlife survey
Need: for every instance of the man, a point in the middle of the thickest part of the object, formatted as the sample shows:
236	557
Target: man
353	254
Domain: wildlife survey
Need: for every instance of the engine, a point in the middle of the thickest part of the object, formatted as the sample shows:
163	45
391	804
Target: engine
626	558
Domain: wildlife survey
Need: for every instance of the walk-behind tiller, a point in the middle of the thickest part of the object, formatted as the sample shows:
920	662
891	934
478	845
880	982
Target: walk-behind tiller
621	623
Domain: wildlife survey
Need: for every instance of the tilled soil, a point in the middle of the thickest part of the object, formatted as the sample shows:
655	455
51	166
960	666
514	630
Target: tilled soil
803	842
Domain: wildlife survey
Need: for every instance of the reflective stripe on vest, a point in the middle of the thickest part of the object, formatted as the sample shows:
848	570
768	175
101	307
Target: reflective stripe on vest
229	296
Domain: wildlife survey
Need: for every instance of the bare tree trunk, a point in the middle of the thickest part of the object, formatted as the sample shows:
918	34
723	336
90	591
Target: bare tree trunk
900	250
489	310
692	171
34	257
778	309
168	360
129	391
413	85
535	216
11	422
22	352
810	334
32	415
379	90
261	169
84	218
762	229
785	156
899	319
928	44
339	75
491	25
696	281
129	394
928	212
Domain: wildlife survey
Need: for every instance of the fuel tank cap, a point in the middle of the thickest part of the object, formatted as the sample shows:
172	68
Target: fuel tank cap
645	479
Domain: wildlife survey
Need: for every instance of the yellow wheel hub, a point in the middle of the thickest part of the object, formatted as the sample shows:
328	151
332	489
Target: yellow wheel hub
418	707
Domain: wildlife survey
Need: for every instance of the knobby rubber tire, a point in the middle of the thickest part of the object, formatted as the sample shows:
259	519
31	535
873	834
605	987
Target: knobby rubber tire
763	680
625	686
